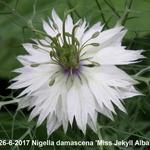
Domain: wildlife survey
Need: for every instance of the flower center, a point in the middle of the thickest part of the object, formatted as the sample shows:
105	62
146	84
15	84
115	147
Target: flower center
67	55
66	49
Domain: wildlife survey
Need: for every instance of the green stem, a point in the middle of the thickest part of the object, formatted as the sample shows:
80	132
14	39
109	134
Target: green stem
22	137
64	21
72	7
9	102
125	132
99	135
126	13
112	8
43	33
143	71
13	125
73	34
101	12
64	37
34	9
16	4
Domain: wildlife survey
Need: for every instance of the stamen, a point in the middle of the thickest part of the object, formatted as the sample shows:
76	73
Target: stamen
43	33
55	25
67	53
52	81
93	44
95	35
37	47
64	37
92	64
38	64
73	33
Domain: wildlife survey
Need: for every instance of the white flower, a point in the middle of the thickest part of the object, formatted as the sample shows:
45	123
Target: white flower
71	73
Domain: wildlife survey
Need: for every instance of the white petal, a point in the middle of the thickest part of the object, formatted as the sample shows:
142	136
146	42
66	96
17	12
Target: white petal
81	104
25	102
127	92
105	94
52	124
69	24
48	29
37	55
80	30
29	47
61	111
105	111
111	36
92	122
117	56
88	34
57	20
74	105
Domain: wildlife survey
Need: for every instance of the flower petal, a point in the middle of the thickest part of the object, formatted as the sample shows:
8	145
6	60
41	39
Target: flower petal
117	56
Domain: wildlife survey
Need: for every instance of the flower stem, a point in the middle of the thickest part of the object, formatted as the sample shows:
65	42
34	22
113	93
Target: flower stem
143	71
72	7
101	12
99	136
9	102
124	18
112	8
